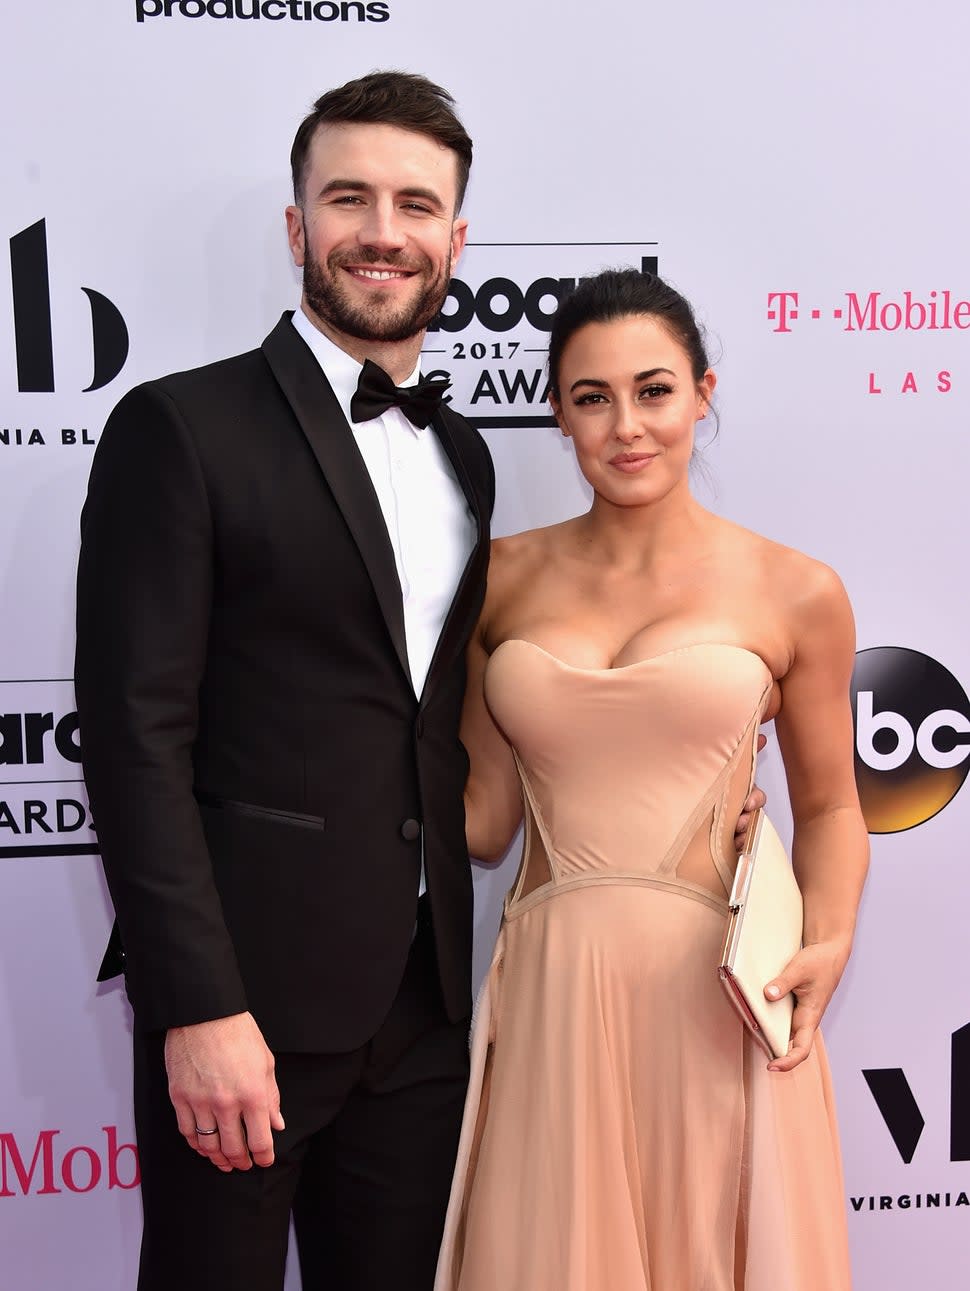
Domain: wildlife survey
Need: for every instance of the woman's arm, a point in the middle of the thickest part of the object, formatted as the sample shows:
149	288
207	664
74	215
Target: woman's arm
493	796
830	850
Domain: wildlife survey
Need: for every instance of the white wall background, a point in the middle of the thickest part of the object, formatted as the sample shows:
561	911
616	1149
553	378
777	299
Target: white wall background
811	148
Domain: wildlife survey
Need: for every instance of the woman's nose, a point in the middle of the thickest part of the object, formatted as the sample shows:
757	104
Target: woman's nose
628	425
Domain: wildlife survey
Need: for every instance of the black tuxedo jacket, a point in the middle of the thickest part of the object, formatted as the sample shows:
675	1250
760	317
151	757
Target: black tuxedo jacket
260	770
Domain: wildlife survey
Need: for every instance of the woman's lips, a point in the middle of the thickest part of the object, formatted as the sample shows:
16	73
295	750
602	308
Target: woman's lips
631	463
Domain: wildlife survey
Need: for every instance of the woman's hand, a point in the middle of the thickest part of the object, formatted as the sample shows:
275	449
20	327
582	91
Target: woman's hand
813	974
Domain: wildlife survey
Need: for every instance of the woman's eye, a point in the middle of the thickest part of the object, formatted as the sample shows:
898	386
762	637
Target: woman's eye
655	391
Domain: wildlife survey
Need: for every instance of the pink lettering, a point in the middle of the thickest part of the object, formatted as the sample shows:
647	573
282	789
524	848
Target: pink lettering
862	318
115	1149
915	313
43	1149
94	1169
890	316
782	306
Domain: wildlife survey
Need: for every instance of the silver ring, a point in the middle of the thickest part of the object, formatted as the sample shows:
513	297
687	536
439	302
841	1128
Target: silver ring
215	1131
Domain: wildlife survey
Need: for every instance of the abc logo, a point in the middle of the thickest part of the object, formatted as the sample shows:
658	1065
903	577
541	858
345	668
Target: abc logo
912	737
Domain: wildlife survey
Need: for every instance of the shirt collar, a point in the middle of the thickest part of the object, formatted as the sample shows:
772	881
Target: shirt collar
343	371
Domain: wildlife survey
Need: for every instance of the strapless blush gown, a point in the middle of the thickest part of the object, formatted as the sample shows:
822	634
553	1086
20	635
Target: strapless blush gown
621	1131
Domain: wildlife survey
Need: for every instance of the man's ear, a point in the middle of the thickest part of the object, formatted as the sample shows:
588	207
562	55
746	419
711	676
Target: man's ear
459	235
296	235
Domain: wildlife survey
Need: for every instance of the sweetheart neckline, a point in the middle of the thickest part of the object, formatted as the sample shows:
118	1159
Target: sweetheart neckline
637	663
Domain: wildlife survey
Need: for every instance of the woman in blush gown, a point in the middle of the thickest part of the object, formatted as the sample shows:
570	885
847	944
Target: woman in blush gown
622	1131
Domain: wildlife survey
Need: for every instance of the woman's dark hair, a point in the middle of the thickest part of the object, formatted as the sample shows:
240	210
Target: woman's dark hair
401	99
620	293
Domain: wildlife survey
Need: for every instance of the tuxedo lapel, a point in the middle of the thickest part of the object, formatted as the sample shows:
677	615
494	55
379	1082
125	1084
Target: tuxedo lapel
332	443
454	630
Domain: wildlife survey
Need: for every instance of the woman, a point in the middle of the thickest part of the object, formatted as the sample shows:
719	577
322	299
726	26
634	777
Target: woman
622	1132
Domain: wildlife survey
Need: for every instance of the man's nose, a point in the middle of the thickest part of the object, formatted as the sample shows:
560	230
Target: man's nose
383	227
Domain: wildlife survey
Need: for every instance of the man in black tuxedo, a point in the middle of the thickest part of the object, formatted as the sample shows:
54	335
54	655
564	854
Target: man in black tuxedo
278	577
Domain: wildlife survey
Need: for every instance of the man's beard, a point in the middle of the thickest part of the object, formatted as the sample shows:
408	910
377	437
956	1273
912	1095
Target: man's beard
379	320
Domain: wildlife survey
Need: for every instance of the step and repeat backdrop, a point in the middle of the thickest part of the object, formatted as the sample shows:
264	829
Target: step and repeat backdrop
799	172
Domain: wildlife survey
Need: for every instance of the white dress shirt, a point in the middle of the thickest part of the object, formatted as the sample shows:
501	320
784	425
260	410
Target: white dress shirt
429	522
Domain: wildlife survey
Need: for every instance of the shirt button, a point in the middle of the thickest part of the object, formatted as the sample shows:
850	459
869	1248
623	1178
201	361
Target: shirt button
410	830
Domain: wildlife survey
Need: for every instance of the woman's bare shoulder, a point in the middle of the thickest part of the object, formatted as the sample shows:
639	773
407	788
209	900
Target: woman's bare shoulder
794	575
517	553
516	565
810	599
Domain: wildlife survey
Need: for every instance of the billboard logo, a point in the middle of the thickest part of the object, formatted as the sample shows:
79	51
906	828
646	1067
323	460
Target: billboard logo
44	809
30	281
912	737
491	338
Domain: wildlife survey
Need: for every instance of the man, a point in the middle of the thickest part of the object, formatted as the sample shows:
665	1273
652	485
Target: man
278	577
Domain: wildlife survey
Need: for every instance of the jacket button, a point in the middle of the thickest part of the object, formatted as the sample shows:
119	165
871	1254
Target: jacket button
419	727
410	830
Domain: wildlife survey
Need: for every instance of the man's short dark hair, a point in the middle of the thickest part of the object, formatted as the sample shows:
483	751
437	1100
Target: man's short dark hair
402	99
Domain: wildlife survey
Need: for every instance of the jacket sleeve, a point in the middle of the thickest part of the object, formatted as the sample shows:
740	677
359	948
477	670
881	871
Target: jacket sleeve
144	590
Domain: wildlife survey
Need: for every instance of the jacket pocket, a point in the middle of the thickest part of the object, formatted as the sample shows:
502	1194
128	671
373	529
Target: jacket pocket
260	813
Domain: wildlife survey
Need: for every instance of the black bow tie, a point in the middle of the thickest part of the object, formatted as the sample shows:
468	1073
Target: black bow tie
376	392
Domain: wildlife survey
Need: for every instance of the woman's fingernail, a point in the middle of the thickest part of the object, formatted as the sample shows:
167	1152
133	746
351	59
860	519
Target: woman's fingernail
772	992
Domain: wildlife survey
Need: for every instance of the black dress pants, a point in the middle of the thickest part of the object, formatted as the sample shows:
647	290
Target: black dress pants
364	1163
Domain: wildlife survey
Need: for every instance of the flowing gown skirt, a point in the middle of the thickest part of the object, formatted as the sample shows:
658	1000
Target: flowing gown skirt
622	1133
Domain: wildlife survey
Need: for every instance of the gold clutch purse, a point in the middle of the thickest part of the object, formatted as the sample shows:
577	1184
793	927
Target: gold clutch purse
764	931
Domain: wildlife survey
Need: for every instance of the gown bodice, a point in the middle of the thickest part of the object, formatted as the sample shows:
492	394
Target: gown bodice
621	767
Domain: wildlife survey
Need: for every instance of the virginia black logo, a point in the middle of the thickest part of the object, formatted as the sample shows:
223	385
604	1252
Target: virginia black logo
899	1109
30	281
912	737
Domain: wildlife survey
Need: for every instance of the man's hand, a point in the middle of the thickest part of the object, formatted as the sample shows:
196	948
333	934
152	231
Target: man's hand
221	1077
755	799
